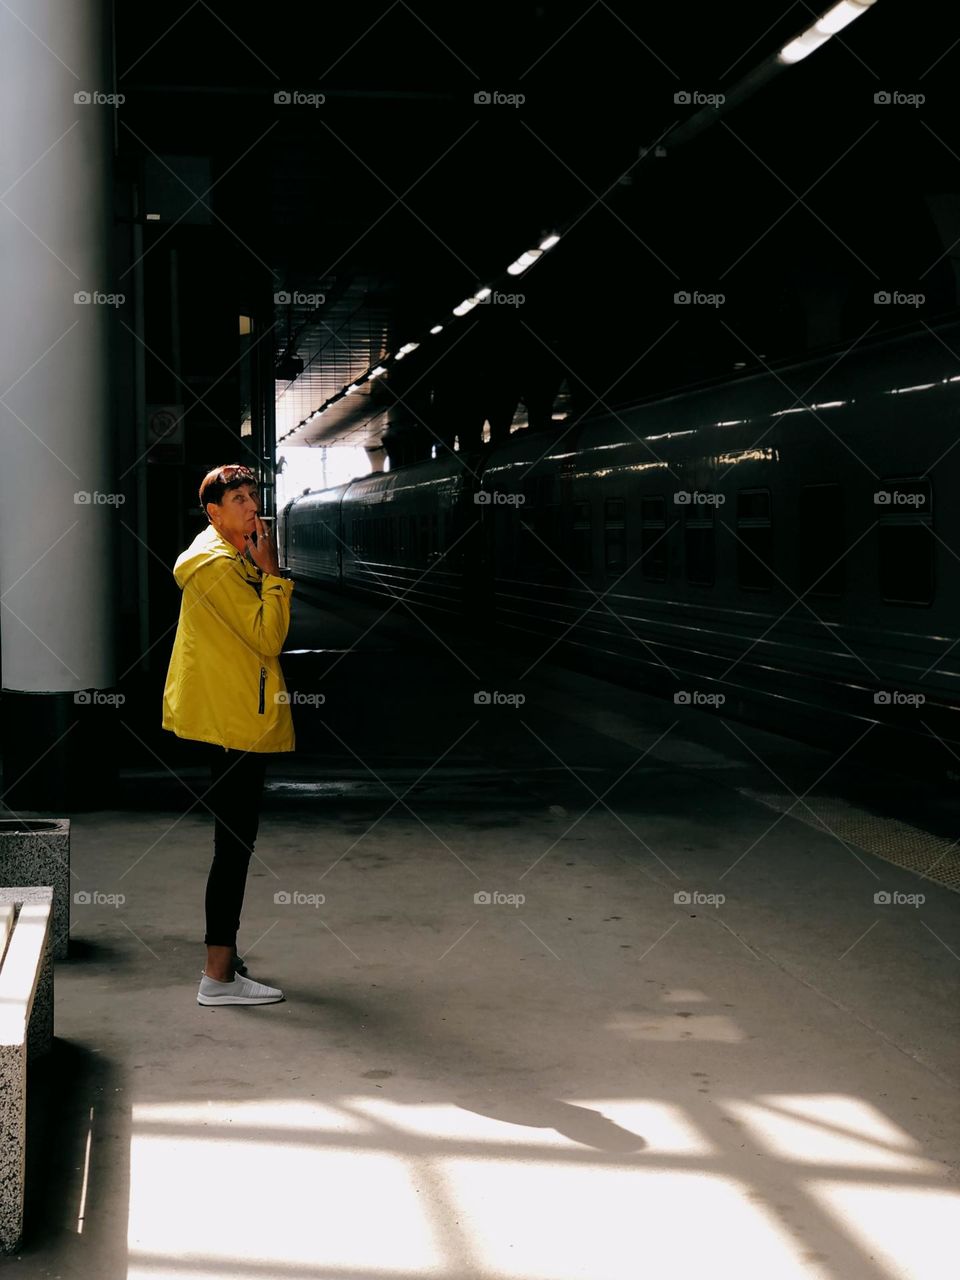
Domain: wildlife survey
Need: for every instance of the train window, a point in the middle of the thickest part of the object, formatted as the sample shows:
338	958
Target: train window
906	541
754	540
540	490
700	543
547	525
653	539
581	550
820	550
614	535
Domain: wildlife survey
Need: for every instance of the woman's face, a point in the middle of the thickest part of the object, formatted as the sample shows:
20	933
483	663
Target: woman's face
237	513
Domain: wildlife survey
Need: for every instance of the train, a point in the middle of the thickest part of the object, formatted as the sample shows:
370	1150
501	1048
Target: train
782	546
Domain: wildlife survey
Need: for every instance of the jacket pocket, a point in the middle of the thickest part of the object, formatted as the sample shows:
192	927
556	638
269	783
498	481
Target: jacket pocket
263	681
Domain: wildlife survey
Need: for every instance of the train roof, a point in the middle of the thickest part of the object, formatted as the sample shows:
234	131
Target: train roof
317	498
448	470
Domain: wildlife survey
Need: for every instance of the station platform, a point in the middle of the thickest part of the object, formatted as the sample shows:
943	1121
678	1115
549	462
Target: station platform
681	1035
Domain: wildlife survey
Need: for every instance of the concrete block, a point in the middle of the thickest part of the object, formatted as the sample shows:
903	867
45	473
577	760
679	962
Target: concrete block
26	1032
36	851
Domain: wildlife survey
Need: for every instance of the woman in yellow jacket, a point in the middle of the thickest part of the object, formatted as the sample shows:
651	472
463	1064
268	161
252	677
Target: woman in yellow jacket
224	686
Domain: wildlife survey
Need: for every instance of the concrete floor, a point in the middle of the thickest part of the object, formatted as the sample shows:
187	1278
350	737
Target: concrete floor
601	1082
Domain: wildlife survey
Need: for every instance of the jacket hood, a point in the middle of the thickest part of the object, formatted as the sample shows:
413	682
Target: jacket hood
207	546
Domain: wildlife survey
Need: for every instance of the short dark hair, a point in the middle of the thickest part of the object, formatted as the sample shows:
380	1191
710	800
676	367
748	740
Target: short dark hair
216	483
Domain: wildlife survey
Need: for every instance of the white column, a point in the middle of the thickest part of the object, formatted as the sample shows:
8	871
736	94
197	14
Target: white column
56	413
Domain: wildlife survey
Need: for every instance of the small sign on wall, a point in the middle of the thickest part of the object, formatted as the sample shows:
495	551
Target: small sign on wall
165	433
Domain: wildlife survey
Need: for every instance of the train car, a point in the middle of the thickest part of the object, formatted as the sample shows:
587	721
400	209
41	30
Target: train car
410	534
309	537
775	541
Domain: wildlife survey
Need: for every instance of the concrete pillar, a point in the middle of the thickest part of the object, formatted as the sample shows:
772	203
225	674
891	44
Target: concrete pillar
56	548
376	456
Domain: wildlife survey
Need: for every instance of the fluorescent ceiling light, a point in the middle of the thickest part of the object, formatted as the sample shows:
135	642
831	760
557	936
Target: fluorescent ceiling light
834	20
526	259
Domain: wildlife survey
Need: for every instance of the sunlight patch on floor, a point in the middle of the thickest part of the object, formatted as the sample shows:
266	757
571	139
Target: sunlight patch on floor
534	1188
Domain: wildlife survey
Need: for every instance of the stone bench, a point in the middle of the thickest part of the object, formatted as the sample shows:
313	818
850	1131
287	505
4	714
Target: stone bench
26	1033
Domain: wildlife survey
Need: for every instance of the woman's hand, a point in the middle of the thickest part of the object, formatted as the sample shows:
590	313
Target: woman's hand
264	554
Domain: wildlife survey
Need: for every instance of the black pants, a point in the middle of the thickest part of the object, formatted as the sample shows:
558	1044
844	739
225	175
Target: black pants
236	789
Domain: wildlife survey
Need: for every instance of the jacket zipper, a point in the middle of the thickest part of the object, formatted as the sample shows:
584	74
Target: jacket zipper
263	681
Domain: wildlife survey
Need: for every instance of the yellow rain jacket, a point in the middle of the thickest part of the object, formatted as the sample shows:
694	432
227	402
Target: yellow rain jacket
224	674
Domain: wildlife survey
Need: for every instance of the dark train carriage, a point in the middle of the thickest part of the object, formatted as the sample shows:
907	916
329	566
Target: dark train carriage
774	539
410	534
310	538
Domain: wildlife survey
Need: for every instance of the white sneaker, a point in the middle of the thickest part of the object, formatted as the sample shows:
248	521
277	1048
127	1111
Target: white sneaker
240	991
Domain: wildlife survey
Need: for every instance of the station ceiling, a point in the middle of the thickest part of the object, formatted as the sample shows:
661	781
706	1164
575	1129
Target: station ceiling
374	166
